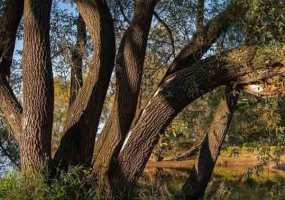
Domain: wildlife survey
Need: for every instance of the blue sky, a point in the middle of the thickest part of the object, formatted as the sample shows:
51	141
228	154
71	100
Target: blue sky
62	6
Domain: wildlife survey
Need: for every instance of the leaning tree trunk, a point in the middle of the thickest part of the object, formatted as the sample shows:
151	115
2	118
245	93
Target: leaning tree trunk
196	184
77	144
9	105
179	90
130	61
111	140
35	140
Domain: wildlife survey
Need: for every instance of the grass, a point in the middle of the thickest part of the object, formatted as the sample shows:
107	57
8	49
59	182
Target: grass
237	176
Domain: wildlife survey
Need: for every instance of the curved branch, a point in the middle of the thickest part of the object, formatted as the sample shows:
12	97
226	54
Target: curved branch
83	116
188	154
196	184
11	108
9	105
129	72
219	24
235	67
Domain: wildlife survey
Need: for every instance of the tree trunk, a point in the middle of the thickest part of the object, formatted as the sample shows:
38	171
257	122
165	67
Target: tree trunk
179	90
35	140
9	105
130	61
128	83
9	22
83	116
196	184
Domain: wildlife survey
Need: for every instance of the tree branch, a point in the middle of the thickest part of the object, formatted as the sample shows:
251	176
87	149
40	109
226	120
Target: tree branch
188	154
195	185
9	22
219	24
9	105
129	72
11	108
38	96
83	115
241	66
76	80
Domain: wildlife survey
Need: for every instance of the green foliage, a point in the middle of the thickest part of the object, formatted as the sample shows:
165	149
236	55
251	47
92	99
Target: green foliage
266	21
9	150
15	186
69	185
250	190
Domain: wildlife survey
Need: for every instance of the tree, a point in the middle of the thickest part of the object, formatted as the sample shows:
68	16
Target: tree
132	131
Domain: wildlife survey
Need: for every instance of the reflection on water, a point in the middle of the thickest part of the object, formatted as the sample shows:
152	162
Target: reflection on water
227	183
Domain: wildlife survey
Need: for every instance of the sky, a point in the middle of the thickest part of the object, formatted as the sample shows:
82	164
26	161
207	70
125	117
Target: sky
62	6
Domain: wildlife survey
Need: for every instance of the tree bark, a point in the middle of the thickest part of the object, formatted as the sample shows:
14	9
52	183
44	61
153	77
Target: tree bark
11	108
9	105
76	79
196	184
9	22
83	116
179	90
35	140
130	62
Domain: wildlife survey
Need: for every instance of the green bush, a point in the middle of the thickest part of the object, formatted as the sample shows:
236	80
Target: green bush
67	186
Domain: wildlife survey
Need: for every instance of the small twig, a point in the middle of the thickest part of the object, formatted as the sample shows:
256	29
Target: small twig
168	30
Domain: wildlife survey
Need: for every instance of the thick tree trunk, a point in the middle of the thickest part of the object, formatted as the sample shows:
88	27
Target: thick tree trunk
196	184
9	105
35	140
124	110
179	90
76	79
83	116
130	62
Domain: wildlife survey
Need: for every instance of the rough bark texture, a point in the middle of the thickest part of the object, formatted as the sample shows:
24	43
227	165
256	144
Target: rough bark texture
35	140
179	90
196	184
9	22
76	80
11	108
83	116
130	61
